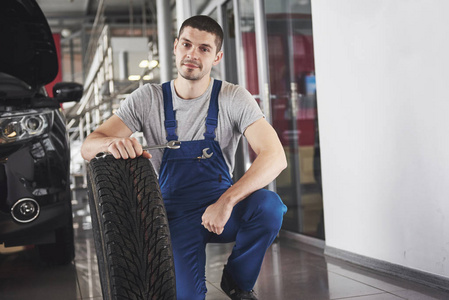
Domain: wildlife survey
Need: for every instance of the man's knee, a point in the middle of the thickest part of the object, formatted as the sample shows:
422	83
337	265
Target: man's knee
270	208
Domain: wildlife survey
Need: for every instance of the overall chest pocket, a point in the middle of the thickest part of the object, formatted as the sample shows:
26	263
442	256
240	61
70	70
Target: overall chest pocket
194	175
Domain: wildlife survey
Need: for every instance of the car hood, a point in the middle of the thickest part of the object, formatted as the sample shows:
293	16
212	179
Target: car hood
27	49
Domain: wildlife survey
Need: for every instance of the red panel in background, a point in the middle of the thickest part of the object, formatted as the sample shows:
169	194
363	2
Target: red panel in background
58	78
303	65
249	44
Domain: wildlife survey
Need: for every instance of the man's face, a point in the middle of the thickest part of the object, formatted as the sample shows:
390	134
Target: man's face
196	53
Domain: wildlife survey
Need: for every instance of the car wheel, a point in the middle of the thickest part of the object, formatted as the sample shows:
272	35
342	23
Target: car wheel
62	251
131	233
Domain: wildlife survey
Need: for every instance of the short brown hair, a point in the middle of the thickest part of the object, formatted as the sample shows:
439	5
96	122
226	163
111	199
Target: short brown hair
204	23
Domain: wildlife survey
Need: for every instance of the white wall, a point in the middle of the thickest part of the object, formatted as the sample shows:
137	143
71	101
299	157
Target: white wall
382	70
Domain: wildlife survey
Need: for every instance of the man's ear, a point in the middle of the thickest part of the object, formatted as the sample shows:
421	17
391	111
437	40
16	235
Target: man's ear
218	57
175	44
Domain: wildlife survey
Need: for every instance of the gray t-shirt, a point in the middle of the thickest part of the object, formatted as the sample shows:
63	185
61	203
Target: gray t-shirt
143	110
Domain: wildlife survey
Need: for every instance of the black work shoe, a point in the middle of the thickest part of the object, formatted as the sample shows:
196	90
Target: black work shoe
231	289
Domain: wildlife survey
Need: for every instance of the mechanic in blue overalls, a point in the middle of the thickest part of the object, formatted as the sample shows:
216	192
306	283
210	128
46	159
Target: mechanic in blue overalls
203	205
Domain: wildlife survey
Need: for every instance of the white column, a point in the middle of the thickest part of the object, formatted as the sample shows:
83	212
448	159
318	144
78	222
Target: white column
165	40
183	11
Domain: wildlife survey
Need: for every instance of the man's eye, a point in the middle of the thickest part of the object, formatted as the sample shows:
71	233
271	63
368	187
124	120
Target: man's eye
205	49
186	44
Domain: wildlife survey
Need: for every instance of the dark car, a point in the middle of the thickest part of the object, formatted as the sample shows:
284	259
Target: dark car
35	198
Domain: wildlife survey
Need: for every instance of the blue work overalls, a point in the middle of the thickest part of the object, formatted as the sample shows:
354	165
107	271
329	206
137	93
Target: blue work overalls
195	176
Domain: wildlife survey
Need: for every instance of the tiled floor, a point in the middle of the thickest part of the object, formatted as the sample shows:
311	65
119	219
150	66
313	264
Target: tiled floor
291	270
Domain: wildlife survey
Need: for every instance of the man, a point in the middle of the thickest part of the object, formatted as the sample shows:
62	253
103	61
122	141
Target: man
208	117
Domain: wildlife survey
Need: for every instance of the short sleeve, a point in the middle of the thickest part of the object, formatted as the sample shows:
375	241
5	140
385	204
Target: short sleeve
134	108
245	109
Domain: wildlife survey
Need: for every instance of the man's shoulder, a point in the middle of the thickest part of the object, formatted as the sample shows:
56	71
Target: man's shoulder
233	91
229	85
150	86
148	89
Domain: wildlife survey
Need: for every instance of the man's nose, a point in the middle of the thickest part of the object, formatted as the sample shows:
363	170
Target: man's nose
191	53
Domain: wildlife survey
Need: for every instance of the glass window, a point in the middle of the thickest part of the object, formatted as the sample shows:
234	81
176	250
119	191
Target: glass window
294	109
249	46
294	112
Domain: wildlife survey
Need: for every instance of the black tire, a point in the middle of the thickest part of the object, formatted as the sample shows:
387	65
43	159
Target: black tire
62	251
131	233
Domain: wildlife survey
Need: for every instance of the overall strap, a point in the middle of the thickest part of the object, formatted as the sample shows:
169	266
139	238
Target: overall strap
212	115
170	120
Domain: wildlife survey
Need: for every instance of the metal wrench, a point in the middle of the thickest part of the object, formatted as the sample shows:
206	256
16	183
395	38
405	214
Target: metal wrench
169	145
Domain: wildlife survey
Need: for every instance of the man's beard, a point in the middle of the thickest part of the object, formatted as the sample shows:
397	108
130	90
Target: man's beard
189	75
192	77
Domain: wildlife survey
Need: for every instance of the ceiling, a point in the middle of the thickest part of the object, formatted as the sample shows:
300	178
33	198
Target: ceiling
72	15
80	21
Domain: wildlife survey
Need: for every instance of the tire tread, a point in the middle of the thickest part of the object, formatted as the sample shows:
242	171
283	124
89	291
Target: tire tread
132	230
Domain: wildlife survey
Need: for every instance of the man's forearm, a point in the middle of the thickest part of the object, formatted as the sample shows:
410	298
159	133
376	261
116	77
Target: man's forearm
112	136
265	168
94	143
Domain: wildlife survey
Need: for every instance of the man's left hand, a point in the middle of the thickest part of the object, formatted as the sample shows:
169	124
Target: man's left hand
216	216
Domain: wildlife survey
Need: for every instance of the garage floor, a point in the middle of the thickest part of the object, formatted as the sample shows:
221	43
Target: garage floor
290	271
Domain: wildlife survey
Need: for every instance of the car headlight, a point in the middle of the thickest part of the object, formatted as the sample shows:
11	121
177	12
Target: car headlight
22	127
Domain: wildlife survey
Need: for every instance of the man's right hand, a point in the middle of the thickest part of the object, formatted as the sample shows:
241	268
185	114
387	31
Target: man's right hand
127	147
